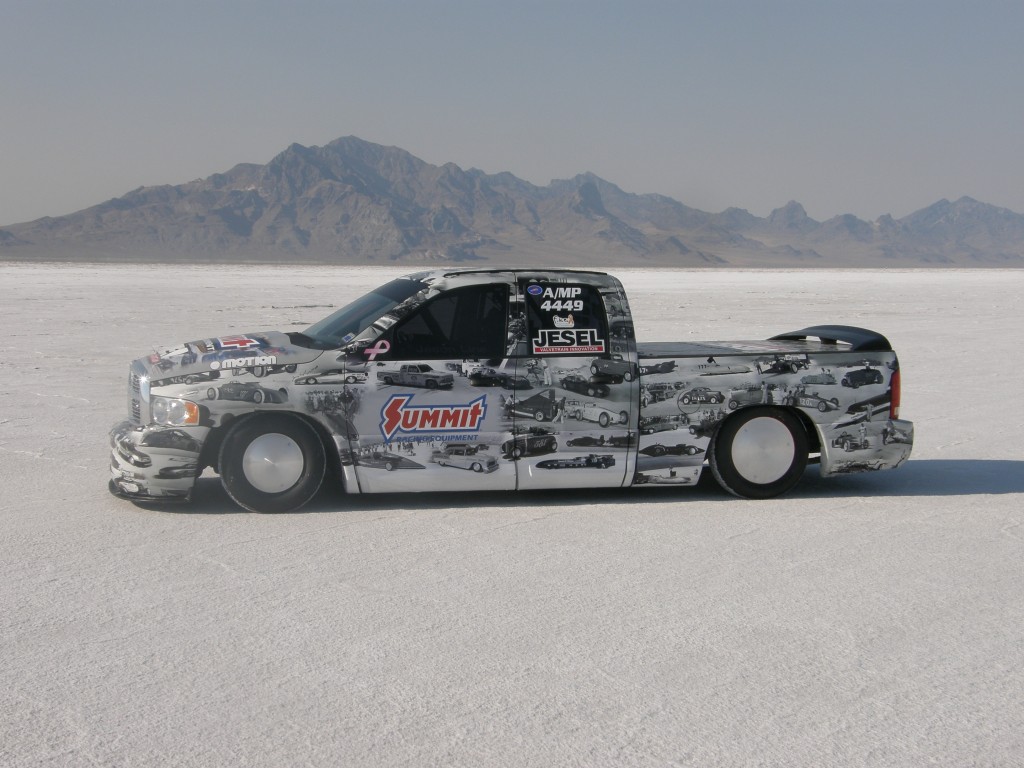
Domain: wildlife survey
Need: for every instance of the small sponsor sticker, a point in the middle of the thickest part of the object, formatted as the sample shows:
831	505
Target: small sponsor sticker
242	362
235	342
563	322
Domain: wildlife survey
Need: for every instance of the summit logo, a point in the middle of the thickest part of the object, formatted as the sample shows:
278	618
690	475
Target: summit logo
399	417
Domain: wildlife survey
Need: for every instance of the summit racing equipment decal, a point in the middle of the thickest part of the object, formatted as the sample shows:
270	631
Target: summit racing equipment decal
567	341
399	417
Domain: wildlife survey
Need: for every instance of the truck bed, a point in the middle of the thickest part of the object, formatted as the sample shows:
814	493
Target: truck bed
666	349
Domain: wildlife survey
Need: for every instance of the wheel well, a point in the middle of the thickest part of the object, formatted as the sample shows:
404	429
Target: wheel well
813	441
211	447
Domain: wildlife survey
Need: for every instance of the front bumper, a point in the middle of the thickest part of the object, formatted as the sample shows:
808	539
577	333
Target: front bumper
154	463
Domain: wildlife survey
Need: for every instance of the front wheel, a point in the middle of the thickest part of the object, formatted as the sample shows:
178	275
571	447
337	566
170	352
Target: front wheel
759	453
272	464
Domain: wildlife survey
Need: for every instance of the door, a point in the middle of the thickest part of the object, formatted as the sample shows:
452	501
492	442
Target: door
578	424
427	419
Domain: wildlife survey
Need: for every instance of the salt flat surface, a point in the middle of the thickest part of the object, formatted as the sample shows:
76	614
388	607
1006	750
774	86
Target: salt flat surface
867	620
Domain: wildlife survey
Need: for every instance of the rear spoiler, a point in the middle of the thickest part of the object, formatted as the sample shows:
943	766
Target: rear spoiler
860	339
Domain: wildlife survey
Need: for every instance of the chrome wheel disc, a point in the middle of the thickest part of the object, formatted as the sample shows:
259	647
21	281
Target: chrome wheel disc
762	451
273	463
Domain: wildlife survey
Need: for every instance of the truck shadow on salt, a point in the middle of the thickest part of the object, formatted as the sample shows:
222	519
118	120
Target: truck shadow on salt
922	478
918	478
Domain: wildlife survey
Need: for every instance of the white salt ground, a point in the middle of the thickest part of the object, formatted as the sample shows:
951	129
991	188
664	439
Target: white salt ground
868	620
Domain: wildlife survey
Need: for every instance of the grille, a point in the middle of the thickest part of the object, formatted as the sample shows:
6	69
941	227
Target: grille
134	398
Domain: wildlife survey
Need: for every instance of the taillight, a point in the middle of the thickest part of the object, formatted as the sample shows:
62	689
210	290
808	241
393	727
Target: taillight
894	395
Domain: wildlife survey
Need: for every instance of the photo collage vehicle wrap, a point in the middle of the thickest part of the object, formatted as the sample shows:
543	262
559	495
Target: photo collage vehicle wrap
549	392
528	413
846	395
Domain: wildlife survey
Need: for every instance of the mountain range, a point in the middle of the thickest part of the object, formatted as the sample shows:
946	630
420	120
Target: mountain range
355	202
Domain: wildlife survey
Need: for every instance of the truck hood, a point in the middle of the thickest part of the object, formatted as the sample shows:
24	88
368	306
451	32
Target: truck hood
261	350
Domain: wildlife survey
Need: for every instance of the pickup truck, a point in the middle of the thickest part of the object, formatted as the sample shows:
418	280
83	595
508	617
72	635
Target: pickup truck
287	416
416	375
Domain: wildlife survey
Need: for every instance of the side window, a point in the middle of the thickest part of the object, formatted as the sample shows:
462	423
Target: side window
565	319
461	323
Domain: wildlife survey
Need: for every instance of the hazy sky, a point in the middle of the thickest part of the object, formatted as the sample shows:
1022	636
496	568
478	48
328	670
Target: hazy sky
847	107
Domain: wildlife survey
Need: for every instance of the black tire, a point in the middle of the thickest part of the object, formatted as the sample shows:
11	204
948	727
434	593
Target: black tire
431	384
477	467
603	419
539	415
299	471
759	453
257	396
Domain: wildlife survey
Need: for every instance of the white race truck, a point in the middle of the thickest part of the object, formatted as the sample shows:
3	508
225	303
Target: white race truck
273	452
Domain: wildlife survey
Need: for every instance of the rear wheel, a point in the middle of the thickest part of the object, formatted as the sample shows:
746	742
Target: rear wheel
759	453
272	464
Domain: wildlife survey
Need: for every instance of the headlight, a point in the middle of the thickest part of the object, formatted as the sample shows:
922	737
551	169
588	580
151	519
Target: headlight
173	412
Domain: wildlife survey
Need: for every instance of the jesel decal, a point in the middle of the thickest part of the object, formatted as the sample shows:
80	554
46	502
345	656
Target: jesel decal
399	417
567	341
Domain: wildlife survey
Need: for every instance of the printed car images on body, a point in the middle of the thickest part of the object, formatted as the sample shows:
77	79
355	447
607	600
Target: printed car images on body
498	379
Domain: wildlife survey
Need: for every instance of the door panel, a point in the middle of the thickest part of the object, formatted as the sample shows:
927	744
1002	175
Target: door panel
423	417
578	428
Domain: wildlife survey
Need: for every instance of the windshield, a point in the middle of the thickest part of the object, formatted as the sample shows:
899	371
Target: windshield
342	326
